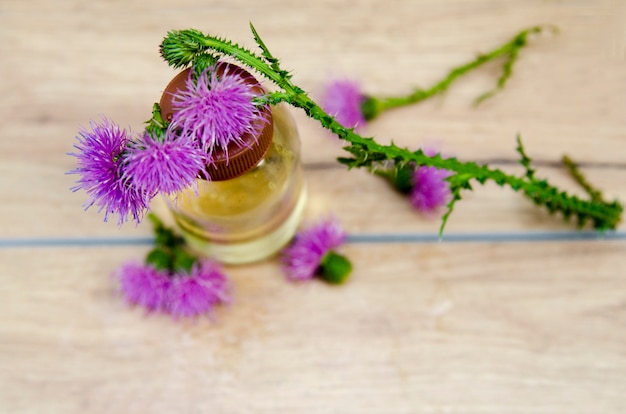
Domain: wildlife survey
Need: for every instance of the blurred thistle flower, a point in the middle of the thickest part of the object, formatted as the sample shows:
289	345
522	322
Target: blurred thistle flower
312	253
144	285
430	189
216	110
164	164
173	280
344	100
100	166
179	293
426	187
199	291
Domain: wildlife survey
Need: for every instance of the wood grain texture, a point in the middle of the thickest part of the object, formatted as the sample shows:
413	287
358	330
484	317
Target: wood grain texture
524	327
471	328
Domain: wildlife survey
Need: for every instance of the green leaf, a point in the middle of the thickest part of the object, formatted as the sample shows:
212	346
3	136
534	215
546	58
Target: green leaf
456	196
579	177
525	160
267	55
160	258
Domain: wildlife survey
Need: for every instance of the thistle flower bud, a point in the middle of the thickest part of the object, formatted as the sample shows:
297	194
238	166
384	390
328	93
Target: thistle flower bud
180	47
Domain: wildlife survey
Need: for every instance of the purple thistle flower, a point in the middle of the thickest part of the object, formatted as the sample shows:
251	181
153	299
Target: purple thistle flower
163	165
198	292
179	294
303	257
215	110
343	99
99	157
144	285
430	188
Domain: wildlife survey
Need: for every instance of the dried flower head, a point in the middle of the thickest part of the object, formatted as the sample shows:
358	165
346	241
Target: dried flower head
343	99
303	258
216	110
100	166
166	164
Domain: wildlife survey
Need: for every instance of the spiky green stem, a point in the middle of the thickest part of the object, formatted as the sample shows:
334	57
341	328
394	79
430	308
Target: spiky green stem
180	47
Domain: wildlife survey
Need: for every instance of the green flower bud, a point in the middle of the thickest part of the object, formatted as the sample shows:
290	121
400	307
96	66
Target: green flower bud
335	268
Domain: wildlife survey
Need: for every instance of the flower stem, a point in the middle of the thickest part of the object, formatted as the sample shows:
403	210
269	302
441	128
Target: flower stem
367	152
181	46
373	106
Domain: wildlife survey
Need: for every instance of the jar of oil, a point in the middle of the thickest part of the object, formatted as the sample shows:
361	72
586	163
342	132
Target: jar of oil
253	202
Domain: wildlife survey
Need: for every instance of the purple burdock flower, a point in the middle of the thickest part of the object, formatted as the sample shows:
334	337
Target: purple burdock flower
430	189
144	285
303	258
199	291
167	164
216	110
343	100
99	157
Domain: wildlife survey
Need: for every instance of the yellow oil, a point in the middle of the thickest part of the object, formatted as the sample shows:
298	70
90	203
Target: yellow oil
252	216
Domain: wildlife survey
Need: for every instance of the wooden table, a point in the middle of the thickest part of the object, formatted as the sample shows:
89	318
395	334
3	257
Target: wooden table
514	312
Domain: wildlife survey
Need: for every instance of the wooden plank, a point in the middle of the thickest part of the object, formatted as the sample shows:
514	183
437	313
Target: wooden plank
420	328
473	328
109	65
559	99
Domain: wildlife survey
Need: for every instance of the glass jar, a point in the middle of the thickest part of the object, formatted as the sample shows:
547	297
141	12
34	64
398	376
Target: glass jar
253	203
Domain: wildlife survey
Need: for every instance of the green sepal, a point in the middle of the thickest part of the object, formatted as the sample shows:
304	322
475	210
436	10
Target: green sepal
170	252
156	126
160	258
203	61
183	260
335	268
400	176
370	107
404	178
